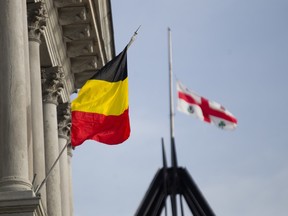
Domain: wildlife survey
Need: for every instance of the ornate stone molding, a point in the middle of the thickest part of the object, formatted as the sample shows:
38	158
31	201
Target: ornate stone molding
21	203
83	63
52	84
76	32
64	120
70	23
37	19
10	182
63	3
72	15
78	48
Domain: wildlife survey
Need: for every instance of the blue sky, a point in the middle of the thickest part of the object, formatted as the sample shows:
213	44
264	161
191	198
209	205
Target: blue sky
230	51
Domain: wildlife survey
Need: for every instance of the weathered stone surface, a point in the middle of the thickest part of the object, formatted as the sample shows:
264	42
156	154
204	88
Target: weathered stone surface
37	16
78	48
13	107
65	3
64	120
83	63
76	32
72	15
52	85
23	203
64	125
73	33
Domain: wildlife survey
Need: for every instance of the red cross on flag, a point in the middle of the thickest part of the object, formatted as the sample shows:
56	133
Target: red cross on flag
209	111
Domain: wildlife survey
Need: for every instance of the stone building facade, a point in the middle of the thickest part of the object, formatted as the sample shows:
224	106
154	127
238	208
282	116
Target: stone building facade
48	49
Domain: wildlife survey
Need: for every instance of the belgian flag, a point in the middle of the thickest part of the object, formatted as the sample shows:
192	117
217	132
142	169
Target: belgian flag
101	110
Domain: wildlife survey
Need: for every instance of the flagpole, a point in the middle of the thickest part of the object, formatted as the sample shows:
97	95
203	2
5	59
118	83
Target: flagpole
173	152
170	86
133	37
49	172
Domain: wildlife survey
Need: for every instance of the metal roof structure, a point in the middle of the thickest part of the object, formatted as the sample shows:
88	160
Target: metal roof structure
170	182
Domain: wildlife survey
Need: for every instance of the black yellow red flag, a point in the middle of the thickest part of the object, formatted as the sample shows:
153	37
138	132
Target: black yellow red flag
101	110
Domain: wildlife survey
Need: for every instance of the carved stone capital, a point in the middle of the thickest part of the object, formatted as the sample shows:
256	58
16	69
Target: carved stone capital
52	84
37	17
64	120
70	150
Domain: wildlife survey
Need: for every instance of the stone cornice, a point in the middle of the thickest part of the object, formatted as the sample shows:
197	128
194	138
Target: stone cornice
57	49
37	17
52	84
78	31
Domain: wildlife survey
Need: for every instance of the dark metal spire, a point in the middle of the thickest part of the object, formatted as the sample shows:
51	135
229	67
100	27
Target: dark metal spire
163	154
173	181
165	174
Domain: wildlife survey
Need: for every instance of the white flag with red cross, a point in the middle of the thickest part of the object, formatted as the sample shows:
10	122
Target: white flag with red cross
209	111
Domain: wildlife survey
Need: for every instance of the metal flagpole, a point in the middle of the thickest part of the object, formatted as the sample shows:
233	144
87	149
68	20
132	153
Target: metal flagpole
173	154
133	37
49	172
170	86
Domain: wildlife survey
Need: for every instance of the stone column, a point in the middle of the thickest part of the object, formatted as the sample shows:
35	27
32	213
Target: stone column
64	125
51	87
28	96
36	24
70	154
13	109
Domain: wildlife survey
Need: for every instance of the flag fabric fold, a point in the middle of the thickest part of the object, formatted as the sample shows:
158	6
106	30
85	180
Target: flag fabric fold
191	103
101	110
